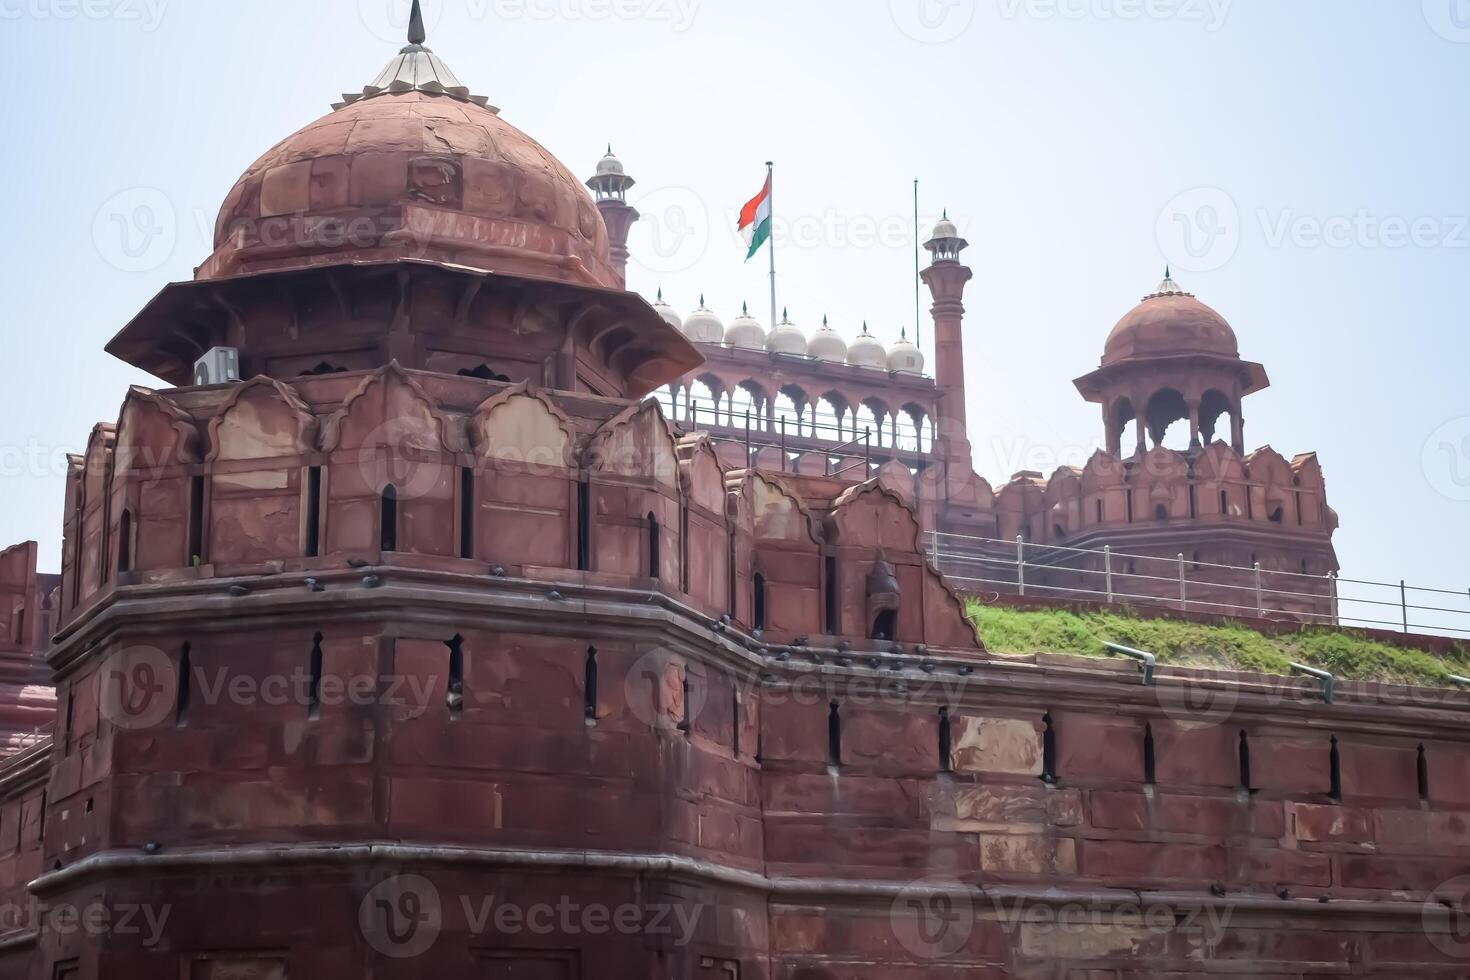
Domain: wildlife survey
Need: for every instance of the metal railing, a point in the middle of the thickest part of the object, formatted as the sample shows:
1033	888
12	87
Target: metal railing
1027	569
840	458
811	423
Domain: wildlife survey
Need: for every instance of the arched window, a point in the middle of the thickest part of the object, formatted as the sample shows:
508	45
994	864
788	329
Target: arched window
885	625
125	542
654	557
1165	408
758	602
388	518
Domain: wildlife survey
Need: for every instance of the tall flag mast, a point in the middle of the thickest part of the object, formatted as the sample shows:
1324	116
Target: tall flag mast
918	319
755	226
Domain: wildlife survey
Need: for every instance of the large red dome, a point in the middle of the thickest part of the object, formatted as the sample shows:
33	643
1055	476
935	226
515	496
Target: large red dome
1167	323
415	173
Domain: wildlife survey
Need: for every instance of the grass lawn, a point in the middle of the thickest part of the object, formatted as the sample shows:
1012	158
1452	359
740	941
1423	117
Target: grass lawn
1348	655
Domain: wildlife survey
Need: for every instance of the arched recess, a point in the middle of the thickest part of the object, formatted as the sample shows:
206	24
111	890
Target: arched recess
702	401
872	418
792	406
1165	408
390	430
748	403
155	468
1120	417
909	428
831	418
1212	406
634	471
523	444
260	444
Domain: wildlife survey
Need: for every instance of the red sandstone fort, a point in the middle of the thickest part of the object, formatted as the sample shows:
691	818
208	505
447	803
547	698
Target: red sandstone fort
452	611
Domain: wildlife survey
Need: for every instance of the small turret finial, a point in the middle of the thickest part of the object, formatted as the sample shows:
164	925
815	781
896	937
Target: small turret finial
946	214
701	300
609	149
1168	272
416	32
824	321
660	294
903	333
745	309
784	315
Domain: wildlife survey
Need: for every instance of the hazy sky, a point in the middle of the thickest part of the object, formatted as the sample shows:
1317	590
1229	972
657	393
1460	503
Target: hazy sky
1302	163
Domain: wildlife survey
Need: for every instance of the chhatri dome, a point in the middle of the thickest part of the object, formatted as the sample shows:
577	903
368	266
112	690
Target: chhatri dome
904	356
413	166
1170	322
827	344
704	326
670	315
746	331
867	351
787	338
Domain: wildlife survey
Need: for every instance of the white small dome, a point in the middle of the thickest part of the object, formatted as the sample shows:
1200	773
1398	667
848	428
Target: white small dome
827	344
667	312
867	351
787	338
703	326
746	332
946	228
904	357
609	165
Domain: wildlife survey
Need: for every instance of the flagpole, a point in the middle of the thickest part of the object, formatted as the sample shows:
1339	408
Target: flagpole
918	329
771	180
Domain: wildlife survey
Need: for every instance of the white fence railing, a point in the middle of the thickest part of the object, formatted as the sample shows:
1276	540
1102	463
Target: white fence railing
1018	567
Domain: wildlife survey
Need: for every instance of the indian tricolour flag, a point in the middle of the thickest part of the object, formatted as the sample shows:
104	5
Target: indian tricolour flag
755	220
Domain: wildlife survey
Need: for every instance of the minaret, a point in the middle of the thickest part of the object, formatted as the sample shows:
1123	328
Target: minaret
946	279
610	190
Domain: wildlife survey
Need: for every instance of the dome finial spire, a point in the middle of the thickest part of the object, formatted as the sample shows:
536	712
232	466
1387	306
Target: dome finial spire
416	32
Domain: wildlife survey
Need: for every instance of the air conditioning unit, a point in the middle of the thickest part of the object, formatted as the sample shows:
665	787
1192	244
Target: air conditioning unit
218	366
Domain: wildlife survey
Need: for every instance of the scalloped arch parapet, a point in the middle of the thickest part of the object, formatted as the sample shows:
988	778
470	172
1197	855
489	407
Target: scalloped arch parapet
637	443
522	426
391	409
777	512
263	418
153	431
703	473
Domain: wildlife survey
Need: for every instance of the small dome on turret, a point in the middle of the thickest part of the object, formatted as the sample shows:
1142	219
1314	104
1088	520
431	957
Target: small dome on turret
905	357
944	229
827	344
703	326
746	332
609	165
867	351
671	317
787	338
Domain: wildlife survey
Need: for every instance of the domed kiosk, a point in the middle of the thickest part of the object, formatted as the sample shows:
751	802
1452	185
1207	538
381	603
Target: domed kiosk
1171	359
413	222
